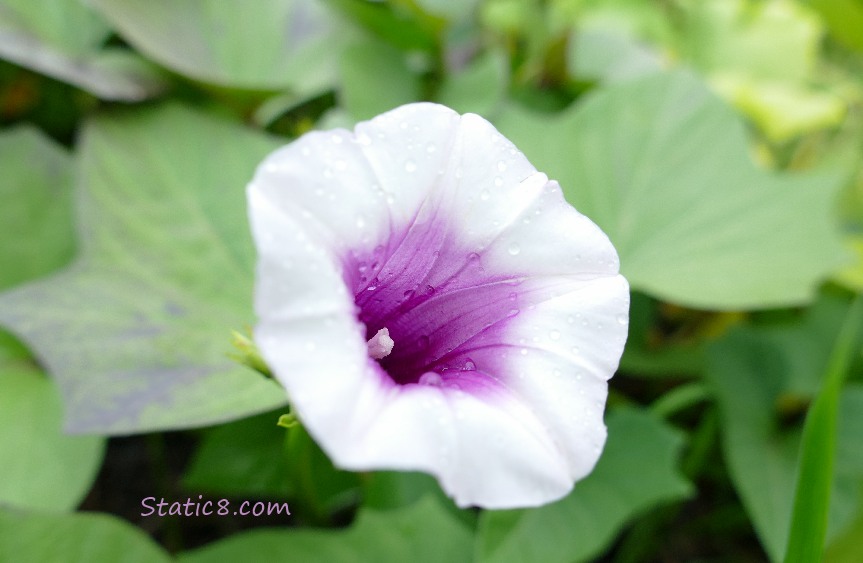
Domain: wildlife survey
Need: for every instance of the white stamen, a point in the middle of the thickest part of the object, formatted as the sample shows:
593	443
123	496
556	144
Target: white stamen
380	345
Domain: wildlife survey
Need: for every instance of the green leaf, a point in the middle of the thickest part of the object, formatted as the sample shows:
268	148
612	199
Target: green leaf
661	166
480	87
818	450
423	533
775	40
636	472
62	38
609	55
762	56
242	457
35	206
254	44
844	19
756	374
31	538
375	78
257	457
387	23
42	468
137	330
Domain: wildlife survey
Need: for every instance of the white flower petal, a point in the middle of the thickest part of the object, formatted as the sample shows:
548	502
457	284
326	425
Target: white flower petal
504	305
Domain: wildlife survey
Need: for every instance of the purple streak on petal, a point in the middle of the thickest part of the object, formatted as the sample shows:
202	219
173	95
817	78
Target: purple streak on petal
445	313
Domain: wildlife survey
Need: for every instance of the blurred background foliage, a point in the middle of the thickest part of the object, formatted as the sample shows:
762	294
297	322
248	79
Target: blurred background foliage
719	143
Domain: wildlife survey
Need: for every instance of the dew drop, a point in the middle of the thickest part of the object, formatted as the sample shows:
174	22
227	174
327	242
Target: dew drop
523	351
622	319
575	350
469	365
337	139
361	222
430	148
430	378
512	313
458	172
484	195
554	335
514	249
501	166
410	166
498	181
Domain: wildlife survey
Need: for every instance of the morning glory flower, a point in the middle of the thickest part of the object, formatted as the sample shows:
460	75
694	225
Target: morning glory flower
431	302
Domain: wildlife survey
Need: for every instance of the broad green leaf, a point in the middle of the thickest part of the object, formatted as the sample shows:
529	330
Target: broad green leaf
42	469
480	87
32	538
387	22
755	374
818	450
636	472
137	329
63	38
661	165
256	457
254	44
241	457
609	55
35	206
375	78
421	533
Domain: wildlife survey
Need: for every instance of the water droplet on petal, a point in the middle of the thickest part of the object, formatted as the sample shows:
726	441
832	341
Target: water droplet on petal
469	365
410	166
554	335
430	378
430	148
523	351
501	166
622	319
361	222
514	249
484	195
498	181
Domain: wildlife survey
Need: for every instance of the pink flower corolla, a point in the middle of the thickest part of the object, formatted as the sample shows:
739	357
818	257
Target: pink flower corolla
431	302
